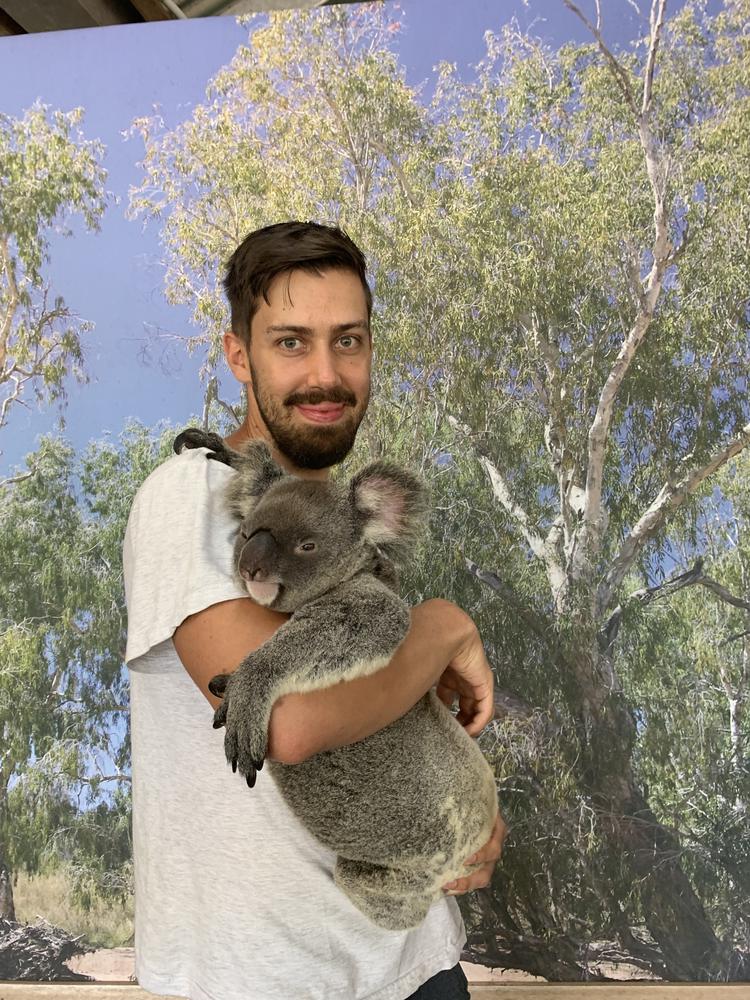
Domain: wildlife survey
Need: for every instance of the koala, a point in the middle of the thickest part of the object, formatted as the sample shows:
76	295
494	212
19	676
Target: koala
403	808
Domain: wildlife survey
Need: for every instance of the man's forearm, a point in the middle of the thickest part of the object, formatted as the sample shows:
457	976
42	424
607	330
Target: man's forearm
352	710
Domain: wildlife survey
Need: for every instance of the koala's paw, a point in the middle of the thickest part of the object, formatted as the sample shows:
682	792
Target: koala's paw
241	712
193	437
218	685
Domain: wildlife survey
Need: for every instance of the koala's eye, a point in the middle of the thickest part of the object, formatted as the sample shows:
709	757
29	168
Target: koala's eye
307	547
243	532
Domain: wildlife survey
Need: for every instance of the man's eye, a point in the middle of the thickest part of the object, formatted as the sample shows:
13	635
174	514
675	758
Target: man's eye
349	341
287	341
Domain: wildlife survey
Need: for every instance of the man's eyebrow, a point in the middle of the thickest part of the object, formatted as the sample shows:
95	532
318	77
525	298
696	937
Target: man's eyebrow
339	328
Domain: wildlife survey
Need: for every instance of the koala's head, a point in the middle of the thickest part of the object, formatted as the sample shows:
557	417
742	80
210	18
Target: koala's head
298	538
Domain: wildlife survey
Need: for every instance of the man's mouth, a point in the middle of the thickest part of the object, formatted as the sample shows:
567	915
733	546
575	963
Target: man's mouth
323	413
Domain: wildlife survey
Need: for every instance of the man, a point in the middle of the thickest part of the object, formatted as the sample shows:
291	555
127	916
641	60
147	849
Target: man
234	898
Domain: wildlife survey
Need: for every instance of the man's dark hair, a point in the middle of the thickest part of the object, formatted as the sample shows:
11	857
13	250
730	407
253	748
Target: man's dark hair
284	247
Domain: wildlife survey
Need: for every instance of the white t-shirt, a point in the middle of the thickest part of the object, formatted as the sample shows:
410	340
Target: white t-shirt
234	899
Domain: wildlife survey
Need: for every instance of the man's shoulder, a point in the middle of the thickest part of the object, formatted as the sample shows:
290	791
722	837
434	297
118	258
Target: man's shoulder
190	472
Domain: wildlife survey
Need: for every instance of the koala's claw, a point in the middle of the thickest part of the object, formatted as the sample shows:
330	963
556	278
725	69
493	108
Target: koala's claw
257	765
220	716
245	751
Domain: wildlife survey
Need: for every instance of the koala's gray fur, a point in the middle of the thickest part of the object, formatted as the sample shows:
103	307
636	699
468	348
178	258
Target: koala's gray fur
405	807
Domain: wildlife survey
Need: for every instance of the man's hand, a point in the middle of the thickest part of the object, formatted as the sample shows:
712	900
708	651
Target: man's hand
468	677
486	857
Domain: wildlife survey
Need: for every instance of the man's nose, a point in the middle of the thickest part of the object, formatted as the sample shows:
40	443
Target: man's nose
323	369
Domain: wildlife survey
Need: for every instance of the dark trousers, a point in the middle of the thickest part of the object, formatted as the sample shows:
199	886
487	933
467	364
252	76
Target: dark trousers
451	984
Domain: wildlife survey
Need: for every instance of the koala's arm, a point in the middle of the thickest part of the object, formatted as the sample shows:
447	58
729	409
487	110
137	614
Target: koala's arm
217	639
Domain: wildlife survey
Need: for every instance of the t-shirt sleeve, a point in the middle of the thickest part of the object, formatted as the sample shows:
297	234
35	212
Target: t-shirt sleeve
177	551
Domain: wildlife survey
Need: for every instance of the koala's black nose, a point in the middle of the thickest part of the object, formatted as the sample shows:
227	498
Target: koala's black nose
257	555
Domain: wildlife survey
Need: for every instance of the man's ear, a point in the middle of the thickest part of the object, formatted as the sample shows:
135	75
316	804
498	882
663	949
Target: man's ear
237	357
391	504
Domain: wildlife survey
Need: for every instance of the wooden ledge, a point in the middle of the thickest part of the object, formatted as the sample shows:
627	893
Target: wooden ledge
75	991
513	991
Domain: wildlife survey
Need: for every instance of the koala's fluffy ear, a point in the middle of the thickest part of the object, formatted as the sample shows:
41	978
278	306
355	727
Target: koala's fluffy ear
256	472
392	506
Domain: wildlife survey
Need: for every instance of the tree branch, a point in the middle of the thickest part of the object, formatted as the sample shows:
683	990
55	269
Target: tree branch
398	170
657	23
534	620
531	618
13	397
211	396
12	302
691	578
733	638
15	479
500	487
618	72
608	633
519	515
544	549
671	496
723	593
591	529
106	777
552	398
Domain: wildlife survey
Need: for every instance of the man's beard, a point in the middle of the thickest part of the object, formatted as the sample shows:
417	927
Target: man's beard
309	446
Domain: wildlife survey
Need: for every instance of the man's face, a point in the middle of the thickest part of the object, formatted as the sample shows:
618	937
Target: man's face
310	357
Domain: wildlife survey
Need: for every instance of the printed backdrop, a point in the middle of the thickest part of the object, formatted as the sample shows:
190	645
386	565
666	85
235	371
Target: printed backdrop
554	205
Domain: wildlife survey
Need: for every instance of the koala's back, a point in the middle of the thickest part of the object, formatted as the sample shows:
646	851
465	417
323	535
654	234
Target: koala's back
422	783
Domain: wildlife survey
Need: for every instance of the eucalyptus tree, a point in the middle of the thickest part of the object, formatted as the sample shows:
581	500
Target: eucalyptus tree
607	220
560	253
64	756
49	173
693	756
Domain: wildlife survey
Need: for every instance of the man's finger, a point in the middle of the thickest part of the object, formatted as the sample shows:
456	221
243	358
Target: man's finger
480	716
492	850
501	830
493	847
479	879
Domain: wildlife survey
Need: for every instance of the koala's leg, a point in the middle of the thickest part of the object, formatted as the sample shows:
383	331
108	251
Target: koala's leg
392	898
193	437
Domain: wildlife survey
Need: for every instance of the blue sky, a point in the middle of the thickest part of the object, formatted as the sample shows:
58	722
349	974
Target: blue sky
112	278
